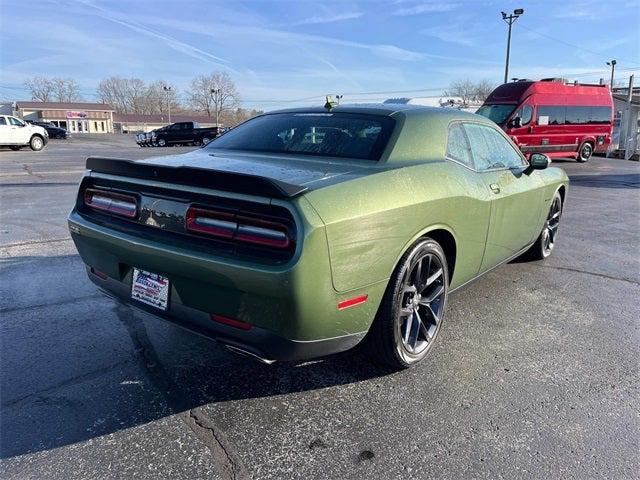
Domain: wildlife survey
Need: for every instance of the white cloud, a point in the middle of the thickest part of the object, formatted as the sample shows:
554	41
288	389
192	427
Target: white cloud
330	18
457	33
422	8
170	41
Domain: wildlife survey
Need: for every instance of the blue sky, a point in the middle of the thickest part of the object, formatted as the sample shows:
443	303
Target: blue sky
279	51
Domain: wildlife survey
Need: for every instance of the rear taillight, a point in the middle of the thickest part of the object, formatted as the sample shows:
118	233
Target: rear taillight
209	222
111	202
229	226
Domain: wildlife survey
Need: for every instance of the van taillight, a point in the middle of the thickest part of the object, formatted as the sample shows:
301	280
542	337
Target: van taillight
241	228
111	202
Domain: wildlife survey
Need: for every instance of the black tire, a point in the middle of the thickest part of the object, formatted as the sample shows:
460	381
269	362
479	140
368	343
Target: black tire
15	148
390	337
36	143
585	152
547	238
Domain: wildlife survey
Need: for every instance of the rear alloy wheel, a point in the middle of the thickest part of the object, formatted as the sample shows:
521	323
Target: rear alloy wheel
36	143
205	140
585	152
547	239
162	142
413	307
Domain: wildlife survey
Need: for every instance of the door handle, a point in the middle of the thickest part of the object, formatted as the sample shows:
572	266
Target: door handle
495	188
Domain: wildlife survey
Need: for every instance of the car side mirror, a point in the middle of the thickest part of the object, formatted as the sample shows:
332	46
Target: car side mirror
539	161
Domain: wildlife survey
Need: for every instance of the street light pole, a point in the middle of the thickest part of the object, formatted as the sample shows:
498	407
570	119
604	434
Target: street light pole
613	68
509	19
216	92
168	89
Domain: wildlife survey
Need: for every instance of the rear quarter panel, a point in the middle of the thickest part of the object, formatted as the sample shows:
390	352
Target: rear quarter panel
373	220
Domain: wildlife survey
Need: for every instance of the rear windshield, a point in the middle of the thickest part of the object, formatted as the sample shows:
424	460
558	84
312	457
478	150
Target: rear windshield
497	112
345	135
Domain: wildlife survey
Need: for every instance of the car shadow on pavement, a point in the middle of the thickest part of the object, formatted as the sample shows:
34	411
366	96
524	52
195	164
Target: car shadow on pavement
147	370
626	180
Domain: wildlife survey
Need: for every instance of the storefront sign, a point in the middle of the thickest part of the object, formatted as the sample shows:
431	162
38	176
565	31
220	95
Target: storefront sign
76	114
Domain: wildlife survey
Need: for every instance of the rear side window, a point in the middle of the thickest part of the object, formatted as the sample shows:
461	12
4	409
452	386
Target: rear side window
600	115
490	149
551	115
346	135
458	146
2	121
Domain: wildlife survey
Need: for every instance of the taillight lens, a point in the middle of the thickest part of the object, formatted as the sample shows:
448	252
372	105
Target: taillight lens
263	232
111	202
209	222
241	228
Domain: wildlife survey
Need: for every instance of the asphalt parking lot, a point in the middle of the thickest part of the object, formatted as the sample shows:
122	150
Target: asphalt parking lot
535	375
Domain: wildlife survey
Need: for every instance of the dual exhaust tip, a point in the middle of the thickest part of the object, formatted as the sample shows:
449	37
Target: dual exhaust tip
247	353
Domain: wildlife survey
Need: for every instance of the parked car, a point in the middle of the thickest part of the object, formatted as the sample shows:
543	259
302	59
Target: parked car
303	232
551	116
141	139
183	133
52	130
15	133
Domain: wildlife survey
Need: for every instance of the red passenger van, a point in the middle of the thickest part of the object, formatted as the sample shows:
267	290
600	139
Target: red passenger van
553	117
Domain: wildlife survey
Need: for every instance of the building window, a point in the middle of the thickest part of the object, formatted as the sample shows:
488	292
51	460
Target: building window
95	126
62	124
102	126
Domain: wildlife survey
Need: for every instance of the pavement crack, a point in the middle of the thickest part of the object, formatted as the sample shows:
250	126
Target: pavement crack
225	462
595	274
224	459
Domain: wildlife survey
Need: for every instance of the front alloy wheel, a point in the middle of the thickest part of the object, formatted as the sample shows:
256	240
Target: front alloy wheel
543	246
413	307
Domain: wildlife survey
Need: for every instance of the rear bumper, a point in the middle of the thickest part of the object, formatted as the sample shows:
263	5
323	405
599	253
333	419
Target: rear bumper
259	343
292	308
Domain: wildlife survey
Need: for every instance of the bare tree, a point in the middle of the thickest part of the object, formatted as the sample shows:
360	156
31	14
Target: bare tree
213	93
53	89
160	100
125	95
239	115
483	89
40	88
65	89
469	91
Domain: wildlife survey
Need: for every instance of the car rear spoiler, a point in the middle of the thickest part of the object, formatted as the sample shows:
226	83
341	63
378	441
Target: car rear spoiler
197	177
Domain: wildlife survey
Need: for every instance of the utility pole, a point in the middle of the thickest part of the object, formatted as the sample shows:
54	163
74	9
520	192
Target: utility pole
168	89
612	63
509	19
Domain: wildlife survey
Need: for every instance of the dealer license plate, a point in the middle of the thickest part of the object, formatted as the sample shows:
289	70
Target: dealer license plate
150	288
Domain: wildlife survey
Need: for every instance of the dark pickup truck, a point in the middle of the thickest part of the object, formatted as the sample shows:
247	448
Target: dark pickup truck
183	133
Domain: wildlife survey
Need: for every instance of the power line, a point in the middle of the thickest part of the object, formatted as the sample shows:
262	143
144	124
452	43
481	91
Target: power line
600	54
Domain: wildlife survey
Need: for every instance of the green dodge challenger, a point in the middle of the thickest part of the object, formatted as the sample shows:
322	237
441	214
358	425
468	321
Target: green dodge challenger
303	232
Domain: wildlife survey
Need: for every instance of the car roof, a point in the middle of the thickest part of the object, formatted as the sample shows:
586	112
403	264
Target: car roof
424	130
376	109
